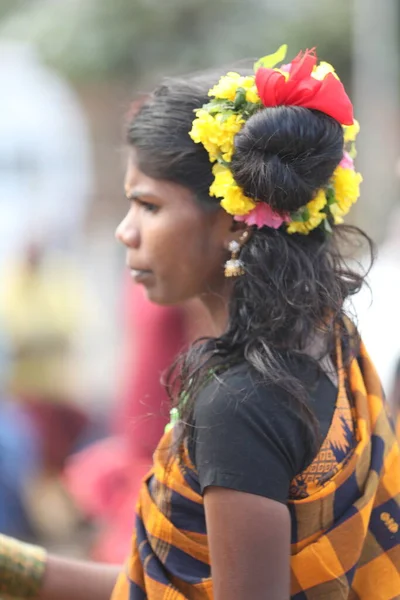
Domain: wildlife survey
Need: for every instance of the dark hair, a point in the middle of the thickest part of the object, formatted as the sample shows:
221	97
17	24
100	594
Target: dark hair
159	132
283	155
295	286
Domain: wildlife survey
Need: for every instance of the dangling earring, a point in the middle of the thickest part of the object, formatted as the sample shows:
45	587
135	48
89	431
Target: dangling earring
234	266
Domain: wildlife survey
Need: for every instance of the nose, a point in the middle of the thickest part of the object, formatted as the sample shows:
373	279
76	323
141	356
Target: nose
127	233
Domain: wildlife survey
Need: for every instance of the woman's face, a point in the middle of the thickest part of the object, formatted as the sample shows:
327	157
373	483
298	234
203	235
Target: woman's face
175	249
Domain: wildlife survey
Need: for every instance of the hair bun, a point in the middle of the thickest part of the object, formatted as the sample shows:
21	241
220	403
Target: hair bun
283	155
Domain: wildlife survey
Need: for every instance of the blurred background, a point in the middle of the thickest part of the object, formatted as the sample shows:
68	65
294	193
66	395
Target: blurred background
81	406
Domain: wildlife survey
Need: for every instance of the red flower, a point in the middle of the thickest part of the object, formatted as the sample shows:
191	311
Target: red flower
301	89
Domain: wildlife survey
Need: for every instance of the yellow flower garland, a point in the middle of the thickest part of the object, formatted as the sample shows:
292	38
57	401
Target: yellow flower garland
346	184
225	187
315	216
351	132
227	87
216	133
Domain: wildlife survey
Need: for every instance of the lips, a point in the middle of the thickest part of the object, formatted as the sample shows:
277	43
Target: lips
137	268
139	271
140	275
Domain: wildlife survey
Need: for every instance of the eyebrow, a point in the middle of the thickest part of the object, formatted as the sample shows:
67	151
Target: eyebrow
132	195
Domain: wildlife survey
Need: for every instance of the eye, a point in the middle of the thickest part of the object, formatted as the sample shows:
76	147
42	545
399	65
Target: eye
147	206
144	204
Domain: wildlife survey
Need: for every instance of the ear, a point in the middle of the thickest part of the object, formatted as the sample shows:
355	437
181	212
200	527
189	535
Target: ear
228	230
239	232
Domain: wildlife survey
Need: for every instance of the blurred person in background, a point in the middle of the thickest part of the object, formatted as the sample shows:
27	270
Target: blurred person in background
279	474
104	479
19	459
41	309
19	465
44	155
45	162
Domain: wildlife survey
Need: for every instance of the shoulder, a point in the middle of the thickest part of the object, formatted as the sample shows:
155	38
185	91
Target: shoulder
239	403
229	390
250	435
241	390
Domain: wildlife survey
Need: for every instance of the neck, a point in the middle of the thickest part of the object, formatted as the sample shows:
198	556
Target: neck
216	304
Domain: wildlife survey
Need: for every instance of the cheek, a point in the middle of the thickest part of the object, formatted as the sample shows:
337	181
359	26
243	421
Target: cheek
185	251
198	261
172	238
183	254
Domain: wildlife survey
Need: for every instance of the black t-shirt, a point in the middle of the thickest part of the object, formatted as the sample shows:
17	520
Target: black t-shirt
249	436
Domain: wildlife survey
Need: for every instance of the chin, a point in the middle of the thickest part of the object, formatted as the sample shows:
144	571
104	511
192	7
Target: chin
163	298
157	297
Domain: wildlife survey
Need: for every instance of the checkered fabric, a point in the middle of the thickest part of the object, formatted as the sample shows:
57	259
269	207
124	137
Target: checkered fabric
345	532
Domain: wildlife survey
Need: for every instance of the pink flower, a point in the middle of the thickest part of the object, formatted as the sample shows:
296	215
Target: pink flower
262	216
286	68
347	162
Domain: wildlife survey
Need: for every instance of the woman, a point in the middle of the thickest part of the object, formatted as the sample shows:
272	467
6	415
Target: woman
280	473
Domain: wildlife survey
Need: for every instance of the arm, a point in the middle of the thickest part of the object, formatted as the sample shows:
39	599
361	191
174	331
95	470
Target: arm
27	572
66	579
248	445
249	540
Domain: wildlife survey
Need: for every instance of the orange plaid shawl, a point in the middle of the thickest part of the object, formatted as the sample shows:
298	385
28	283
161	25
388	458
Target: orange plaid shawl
345	534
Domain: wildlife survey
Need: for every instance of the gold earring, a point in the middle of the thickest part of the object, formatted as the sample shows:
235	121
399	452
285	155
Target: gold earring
234	267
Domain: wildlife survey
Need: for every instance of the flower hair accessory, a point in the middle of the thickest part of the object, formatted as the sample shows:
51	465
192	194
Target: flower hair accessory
235	98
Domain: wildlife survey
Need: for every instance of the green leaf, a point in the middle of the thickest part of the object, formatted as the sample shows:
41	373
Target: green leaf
213	110
240	98
223	162
327	226
298	216
225	115
249	109
221	107
271	60
330	196
353	151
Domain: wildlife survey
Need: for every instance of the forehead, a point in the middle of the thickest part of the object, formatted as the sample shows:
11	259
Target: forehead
138	182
